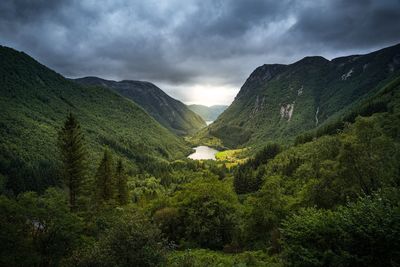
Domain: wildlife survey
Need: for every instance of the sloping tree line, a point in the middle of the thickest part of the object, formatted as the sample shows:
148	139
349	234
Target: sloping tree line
110	181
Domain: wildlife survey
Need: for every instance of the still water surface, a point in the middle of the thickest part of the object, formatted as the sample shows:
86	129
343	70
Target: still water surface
203	152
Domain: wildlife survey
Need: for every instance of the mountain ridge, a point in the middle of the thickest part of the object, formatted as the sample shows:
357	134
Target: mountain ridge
169	112
35	101
279	101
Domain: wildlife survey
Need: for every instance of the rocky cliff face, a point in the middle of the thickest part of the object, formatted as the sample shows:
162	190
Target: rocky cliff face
171	113
277	102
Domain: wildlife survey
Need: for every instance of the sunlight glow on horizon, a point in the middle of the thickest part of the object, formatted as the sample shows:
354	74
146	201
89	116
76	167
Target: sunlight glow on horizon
209	95
204	94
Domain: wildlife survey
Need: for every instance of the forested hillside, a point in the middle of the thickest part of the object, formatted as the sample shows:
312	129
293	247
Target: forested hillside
208	113
34	102
326	194
169	112
278	102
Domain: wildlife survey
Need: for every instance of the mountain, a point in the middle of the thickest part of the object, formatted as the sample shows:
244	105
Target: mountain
171	113
278	102
208	113
384	104
34	103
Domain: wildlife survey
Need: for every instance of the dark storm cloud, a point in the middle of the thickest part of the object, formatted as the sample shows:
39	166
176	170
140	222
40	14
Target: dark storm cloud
230	19
21	11
193	42
347	24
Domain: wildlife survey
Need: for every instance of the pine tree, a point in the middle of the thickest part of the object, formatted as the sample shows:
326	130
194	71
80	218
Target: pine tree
240	180
121	184
105	179
73	156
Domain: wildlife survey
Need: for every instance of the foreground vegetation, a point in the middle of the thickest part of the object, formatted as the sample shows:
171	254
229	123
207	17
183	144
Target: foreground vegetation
333	201
202	257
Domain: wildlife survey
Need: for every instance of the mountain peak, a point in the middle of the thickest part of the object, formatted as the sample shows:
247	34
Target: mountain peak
260	75
312	60
265	72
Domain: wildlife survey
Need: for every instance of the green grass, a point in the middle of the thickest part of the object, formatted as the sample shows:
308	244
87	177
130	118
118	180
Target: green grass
231	154
232	157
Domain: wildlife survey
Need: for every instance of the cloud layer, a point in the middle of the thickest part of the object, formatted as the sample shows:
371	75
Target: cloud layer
193	49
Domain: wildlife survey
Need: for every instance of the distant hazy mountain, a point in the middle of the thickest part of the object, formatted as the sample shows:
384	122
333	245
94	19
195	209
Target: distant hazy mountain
168	111
208	113
34	103
277	102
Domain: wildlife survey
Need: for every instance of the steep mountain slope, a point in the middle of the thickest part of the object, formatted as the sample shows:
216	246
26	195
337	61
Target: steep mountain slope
34	103
277	102
208	113
168	111
384	104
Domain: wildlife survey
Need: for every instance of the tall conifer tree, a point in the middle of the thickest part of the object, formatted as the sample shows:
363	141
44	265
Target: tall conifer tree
73	156
121	184
105	179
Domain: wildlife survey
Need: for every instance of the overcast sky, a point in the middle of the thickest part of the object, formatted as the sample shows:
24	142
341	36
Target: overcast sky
199	51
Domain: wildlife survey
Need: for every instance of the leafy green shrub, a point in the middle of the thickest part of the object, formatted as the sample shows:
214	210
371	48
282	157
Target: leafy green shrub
202	214
37	230
131	240
365	233
263	214
248	177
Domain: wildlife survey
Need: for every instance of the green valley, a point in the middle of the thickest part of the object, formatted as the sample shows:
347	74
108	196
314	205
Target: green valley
97	173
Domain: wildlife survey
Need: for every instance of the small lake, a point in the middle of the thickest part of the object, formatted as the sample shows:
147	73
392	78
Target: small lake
203	152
